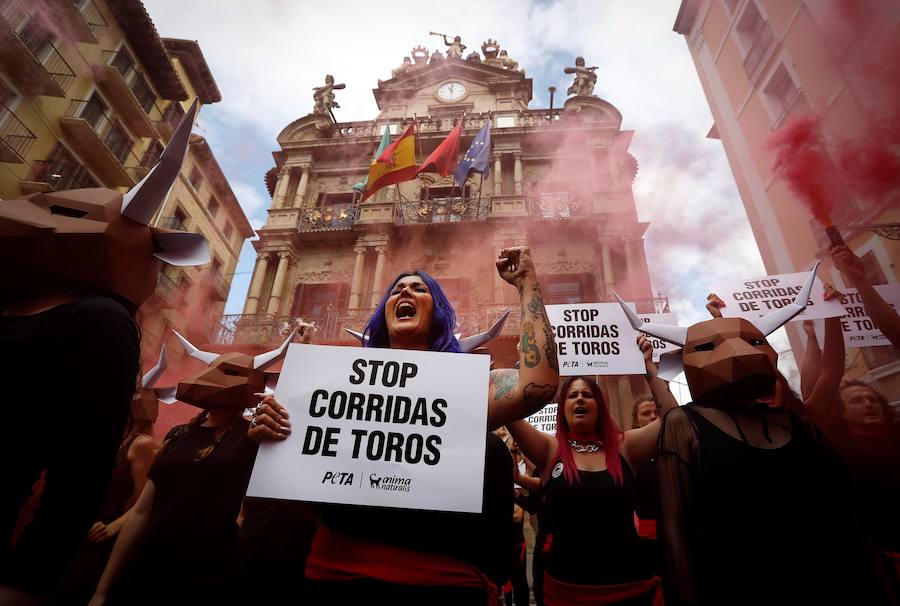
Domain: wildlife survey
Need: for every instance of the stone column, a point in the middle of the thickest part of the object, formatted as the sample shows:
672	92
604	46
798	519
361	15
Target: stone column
631	276
379	276
498	175
256	283
517	173
284	177
609	283
278	285
301	188
356	281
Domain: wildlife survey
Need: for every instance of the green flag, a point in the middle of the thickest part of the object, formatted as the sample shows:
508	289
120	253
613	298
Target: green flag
385	141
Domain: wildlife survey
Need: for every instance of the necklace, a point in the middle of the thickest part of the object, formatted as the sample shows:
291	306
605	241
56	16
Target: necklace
588	447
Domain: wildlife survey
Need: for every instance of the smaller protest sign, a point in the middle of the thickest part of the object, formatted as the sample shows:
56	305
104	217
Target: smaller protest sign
659	346
545	419
595	339
859	330
754	298
379	427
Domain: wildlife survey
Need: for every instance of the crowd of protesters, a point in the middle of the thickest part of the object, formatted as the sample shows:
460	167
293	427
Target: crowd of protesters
774	498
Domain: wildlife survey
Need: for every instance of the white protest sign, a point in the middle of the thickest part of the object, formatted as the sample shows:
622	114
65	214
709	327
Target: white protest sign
754	298
659	346
859	331
381	427
595	339
545	419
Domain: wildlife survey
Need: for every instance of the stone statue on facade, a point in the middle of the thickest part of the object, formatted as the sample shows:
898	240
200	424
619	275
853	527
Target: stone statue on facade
506	62
585	78
419	56
324	96
490	48
436	57
455	47
404	67
474	57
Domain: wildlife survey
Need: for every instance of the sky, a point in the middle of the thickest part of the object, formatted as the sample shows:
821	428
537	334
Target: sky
266	57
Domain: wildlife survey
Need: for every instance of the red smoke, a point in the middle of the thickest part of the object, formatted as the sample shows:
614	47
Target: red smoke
803	161
866	166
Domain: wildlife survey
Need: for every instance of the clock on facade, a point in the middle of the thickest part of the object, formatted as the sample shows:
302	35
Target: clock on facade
451	91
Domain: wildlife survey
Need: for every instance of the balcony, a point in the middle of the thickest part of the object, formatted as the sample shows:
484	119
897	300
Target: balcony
96	140
220	284
172	223
758	50
15	137
56	175
84	22
442	210
328	218
32	61
559	205
113	80
170	119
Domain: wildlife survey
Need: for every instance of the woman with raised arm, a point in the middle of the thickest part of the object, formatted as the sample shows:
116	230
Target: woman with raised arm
588	474
374	555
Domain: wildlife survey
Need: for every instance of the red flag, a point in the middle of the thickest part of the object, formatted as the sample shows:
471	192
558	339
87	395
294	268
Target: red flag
444	158
387	156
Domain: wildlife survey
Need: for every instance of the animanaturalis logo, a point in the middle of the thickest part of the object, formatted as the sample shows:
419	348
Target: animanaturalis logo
393	483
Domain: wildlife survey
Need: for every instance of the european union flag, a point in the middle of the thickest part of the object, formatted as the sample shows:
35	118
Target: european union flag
478	156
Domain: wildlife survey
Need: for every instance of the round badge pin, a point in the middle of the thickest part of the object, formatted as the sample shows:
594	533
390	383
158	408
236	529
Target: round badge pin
557	470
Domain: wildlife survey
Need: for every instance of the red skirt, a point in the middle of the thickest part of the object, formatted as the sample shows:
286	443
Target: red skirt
337	557
557	593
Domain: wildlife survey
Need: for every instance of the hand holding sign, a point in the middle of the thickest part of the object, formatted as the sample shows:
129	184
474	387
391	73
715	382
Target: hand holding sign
270	420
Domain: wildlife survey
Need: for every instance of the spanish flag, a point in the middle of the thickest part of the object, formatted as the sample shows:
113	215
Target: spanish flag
395	164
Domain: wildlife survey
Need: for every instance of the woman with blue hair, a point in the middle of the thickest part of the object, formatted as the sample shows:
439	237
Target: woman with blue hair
361	554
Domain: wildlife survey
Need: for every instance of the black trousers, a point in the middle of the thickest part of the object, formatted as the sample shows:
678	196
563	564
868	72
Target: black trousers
68	376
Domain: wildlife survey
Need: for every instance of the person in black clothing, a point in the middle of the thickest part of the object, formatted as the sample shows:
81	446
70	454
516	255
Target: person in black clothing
441	558
643	412
532	501
589	488
179	540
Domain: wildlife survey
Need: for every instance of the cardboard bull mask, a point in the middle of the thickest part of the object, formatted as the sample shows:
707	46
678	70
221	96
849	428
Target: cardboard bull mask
231	379
98	240
145	406
727	359
466	344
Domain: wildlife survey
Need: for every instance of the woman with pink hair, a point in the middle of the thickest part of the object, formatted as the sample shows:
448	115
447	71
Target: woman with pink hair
587	470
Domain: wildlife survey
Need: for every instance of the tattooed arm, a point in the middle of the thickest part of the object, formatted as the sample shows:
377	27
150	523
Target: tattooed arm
515	394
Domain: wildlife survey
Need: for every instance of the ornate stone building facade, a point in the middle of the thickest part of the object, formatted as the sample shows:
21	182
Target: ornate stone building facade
560	182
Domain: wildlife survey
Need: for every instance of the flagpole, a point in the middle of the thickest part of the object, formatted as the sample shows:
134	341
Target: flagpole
418	139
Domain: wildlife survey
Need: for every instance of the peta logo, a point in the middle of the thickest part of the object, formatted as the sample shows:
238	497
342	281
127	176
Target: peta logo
341	478
393	483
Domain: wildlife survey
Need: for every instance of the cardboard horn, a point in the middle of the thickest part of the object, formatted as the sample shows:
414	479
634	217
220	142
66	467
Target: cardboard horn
264	360
469	344
770	322
180	248
143	200
153	375
166	395
362	338
206	357
676	335
671	364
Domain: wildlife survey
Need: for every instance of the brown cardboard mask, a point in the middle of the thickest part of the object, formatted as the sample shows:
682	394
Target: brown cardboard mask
145	406
231	378
727	359
98	240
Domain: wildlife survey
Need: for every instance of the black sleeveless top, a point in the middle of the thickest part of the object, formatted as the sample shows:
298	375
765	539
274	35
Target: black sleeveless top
594	538
773	526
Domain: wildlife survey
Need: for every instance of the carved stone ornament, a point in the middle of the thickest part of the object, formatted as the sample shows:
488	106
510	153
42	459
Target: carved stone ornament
420	55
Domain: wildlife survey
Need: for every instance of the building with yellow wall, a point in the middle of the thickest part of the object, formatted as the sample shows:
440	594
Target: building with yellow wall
762	62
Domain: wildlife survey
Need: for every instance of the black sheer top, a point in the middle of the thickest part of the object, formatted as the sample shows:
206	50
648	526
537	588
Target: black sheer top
594	538
755	511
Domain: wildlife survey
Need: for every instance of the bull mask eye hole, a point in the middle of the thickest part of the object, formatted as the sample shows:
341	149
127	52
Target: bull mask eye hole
56	209
708	346
757	341
231	373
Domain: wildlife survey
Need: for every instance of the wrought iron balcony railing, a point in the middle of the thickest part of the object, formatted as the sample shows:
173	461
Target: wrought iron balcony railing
557	205
442	210
336	216
15	134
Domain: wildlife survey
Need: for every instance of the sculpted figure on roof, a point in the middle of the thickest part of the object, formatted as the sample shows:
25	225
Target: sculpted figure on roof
585	78
324	96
